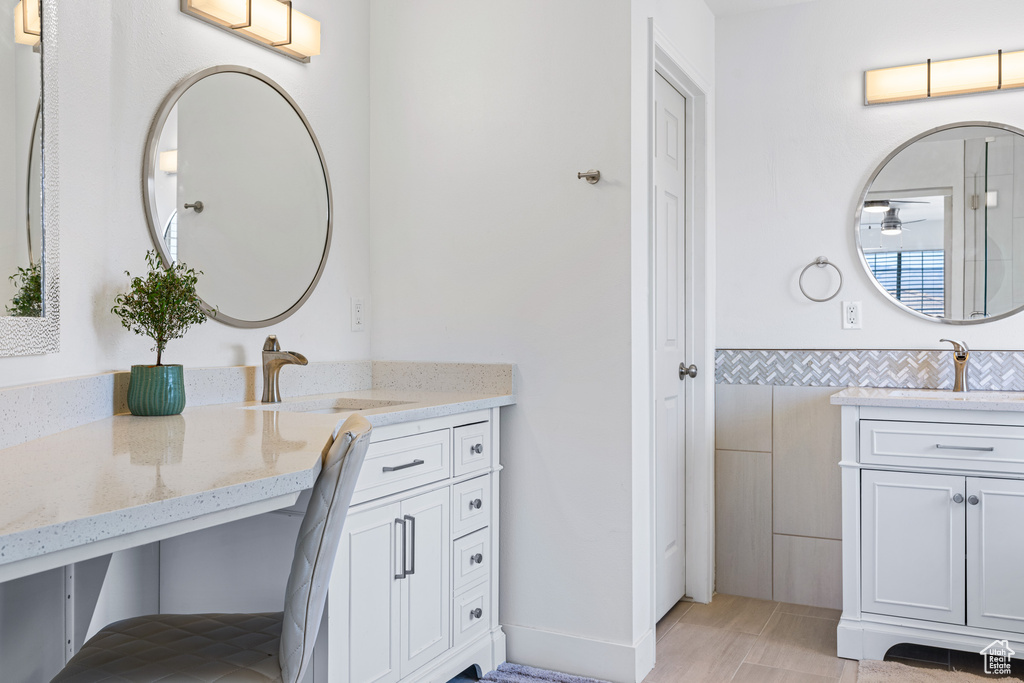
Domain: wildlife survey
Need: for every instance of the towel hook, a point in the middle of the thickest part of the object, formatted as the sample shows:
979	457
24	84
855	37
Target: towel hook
592	176
821	262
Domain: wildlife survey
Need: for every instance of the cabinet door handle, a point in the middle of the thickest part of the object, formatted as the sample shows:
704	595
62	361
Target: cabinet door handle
973	500
404	573
412	556
476	504
476	448
414	463
476	613
478	559
983	449
957	498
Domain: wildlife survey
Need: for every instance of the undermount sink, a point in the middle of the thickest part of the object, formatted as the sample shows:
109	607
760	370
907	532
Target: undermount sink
332	406
947	395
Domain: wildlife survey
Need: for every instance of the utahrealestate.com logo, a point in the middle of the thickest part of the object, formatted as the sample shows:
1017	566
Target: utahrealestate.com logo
997	657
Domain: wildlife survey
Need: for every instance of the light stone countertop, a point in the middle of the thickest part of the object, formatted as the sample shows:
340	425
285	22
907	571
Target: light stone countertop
1007	401
123	474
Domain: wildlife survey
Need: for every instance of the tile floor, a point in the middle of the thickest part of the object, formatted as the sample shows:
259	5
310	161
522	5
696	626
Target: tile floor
760	641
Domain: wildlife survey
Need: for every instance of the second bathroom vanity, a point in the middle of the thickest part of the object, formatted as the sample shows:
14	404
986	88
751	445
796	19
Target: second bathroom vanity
933	499
199	513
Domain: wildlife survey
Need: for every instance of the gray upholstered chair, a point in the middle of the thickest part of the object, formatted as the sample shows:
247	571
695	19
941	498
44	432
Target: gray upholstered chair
272	646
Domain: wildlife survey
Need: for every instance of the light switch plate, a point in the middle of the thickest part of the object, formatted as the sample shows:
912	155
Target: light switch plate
358	314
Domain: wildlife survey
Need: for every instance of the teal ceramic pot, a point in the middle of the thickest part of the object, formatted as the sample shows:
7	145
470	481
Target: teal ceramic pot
156	390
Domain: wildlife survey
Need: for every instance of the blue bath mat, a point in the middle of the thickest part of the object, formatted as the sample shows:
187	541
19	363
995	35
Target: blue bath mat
517	673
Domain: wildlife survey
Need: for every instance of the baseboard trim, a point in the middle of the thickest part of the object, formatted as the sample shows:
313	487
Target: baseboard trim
580	656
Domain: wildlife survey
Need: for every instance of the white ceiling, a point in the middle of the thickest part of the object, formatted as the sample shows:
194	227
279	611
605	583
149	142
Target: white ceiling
725	7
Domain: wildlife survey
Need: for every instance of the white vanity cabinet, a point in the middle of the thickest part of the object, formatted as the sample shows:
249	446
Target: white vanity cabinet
933	526
415	582
413	594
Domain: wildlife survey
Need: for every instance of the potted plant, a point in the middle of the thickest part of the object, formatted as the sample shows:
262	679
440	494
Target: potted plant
28	302
161	306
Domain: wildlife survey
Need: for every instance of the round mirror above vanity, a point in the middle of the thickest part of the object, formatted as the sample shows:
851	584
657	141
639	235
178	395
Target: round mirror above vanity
937	223
236	186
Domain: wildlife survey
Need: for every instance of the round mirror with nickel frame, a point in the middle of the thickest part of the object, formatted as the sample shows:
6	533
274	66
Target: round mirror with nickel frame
235	185
934	226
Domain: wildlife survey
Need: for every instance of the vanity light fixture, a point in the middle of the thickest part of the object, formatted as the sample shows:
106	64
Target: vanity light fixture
274	24
28	27
169	161
999	71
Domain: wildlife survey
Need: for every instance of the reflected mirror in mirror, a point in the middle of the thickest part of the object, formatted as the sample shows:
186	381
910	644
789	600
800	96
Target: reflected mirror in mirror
236	187
935	225
21	239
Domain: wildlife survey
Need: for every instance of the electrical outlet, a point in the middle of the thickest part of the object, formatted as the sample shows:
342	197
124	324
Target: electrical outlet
358	314
851	315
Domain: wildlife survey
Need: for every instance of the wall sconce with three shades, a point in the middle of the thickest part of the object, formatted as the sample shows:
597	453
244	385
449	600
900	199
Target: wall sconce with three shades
929	79
274	24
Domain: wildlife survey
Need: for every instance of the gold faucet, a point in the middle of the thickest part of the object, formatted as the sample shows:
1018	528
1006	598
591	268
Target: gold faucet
273	359
961	354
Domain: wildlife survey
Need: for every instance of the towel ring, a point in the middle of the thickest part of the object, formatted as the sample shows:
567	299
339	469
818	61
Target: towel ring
821	262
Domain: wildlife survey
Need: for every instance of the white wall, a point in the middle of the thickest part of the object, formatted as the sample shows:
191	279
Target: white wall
796	146
486	247
117	62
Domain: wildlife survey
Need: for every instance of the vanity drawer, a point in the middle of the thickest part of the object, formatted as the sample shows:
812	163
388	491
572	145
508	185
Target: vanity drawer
472	560
472	613
471	505
942	445
404	463
472	447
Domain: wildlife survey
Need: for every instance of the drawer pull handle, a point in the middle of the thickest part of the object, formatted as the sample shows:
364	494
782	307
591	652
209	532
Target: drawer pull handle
476	613
476	504
476	448
973	500
983	449
478	559
958	498
414	463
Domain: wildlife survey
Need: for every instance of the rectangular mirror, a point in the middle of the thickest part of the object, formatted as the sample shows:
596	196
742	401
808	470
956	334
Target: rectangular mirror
28	227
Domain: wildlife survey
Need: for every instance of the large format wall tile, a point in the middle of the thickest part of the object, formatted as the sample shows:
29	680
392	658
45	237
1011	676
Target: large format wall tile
743	417
743	524
805	462
808	571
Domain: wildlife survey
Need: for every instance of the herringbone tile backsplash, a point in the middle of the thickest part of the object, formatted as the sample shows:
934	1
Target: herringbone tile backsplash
989	370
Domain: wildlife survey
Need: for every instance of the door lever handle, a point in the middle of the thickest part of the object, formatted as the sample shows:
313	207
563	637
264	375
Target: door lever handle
685	371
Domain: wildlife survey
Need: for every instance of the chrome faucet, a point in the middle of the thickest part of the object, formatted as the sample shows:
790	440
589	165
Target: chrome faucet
961	354
273	359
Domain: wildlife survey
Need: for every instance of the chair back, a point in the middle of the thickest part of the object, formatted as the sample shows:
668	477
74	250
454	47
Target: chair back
317	545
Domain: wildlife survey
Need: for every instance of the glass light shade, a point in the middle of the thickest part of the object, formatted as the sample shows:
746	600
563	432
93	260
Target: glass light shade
896	84
33	23
876	206
269	21
1013	69
892	230
967	75
21	36
225	12
169	161
305	35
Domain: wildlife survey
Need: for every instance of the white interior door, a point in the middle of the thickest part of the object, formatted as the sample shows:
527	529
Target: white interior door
669	342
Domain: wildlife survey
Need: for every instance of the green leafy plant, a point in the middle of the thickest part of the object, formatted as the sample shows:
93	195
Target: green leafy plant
28	302
163	305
